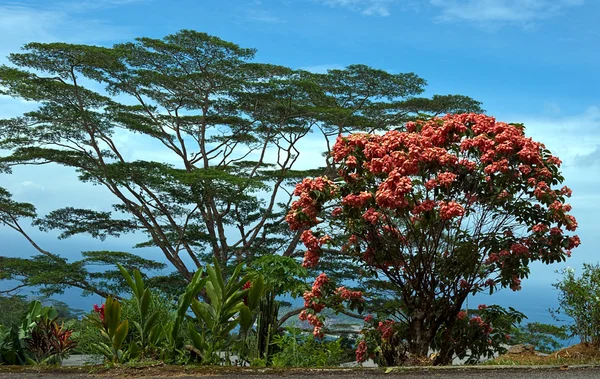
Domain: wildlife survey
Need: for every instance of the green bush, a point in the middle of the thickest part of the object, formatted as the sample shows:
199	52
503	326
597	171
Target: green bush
301	349
13	309
579	300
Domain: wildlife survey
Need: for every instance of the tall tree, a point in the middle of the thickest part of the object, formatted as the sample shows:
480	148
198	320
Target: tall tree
225	130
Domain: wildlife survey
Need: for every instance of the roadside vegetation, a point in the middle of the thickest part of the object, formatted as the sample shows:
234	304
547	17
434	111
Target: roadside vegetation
414	205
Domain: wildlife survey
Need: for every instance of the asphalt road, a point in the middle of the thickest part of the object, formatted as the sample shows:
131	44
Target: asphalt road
505	373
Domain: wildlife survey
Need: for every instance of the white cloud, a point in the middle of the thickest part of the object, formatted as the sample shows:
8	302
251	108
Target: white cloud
494	13
566	136
380	8
261	15
66	22
552	108
591	159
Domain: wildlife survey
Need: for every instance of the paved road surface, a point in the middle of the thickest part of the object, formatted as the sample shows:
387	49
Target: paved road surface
571	373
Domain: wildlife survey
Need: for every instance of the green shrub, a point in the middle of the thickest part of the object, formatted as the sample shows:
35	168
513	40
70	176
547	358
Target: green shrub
579	300
301	349
36	338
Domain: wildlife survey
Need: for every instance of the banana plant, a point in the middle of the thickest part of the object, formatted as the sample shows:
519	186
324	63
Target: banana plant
115	331
149	330
230	306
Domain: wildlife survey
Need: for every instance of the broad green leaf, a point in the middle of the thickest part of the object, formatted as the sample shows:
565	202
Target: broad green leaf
139	328
256	292
236	298
150	322
233	280
197	340
229	327
212	294
145	302
155	334
139	283
112	314
245	319
128	279
120	334
219	274
204	312
134	350
235	287
231	311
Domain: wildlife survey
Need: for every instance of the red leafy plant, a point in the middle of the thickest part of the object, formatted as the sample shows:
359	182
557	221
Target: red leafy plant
50	342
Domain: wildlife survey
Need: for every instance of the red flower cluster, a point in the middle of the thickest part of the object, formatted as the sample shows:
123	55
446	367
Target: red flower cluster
361	351
446	171
348	295
321	295
451	209
99	311
313	320
313	245
246	286
304	211
313	302
387	329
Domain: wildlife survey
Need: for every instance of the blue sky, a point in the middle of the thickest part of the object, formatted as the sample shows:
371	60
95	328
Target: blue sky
530	61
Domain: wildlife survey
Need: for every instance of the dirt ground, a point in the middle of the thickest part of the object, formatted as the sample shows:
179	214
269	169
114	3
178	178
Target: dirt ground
172	372
572	355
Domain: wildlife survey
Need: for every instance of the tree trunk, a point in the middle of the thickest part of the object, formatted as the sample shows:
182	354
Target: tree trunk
446	353
420	336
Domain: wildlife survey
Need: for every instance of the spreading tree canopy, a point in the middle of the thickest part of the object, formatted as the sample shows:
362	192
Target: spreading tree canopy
226	130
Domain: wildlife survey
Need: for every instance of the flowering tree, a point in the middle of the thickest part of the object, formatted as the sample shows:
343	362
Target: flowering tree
436	211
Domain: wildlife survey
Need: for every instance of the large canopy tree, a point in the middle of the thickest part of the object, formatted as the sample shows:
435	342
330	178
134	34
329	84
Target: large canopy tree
226	131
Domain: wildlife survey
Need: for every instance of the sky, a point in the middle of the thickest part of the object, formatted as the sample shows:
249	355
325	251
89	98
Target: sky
529	61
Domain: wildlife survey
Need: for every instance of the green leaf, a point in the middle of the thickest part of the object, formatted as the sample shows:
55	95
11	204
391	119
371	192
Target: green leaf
155	333
139	328
245	319
145	302
139	283
128	279
134	350
150	322
197	340
236	298
231	311
228	328
233	280
215	300
120	334
218	273
205	312
214	283
236	286
256	292
112	315
104	349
